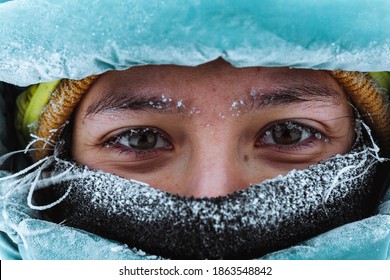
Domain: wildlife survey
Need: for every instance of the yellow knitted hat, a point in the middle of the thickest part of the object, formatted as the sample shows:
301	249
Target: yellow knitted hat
44	109
369	92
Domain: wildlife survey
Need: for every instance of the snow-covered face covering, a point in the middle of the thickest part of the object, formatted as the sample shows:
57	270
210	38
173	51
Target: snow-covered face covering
265	217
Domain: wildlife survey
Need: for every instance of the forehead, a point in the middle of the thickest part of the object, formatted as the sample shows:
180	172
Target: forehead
208	79
216	85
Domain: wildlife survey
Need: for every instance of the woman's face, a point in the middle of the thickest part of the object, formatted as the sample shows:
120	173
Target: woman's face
210	130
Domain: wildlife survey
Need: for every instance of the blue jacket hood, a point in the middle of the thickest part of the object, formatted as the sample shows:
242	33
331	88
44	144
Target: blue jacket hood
49	40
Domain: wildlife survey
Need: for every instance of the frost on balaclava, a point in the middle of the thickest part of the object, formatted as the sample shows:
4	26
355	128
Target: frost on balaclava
265	217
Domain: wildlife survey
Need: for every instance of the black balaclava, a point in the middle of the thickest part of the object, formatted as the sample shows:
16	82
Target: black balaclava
265	217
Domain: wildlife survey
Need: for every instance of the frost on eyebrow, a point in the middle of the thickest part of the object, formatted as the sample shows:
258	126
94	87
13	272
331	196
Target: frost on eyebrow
283	95
115	100
237	106
295	92
161	103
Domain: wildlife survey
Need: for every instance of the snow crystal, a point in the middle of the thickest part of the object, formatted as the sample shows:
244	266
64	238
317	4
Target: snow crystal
194	110
163	99
179	104
253	93
237	106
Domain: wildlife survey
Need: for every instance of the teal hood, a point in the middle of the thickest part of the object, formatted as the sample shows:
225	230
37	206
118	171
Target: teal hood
49	40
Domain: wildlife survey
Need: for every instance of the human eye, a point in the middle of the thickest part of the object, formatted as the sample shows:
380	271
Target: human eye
143	142
289	135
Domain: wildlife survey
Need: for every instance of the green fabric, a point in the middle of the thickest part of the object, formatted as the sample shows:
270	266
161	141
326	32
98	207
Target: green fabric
30	104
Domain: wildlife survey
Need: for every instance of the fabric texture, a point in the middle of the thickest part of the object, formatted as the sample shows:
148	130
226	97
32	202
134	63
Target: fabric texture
30	105
372	101
263	218
57	112
330	35
38	239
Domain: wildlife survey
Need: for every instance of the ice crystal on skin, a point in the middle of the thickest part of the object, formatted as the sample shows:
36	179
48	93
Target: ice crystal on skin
164	105
237	106
222	116
194	110
179	105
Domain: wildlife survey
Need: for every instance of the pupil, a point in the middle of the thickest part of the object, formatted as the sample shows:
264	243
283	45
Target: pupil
143	140
286	136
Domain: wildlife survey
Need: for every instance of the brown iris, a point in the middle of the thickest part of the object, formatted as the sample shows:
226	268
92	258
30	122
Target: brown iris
143	139
286	134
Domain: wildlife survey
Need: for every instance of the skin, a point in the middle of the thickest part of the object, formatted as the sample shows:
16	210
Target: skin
215	125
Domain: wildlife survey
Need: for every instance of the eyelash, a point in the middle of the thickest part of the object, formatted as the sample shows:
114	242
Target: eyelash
165	143
301	144
138	153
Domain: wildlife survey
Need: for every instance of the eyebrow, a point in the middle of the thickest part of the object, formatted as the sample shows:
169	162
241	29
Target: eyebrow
116	99
282	95
295	92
